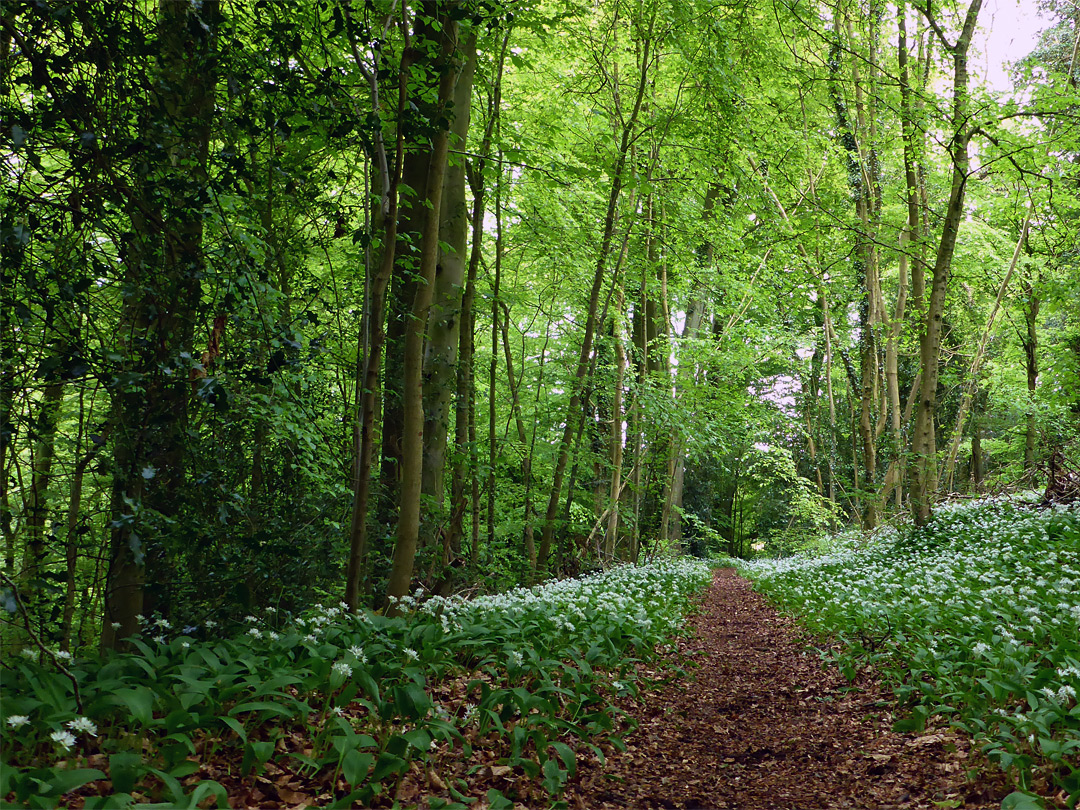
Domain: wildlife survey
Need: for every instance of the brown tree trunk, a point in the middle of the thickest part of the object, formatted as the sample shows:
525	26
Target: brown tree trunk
444	320
164	265
573	413
467	464
1031	364
372	338
408	526
923	442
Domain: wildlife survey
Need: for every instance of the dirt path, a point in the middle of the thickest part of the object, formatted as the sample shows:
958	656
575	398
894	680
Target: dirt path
761	725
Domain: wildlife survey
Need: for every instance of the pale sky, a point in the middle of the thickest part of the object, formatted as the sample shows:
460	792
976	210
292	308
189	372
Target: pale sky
1008	30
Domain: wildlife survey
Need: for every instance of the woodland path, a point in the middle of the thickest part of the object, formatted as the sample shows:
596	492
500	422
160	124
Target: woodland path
761	725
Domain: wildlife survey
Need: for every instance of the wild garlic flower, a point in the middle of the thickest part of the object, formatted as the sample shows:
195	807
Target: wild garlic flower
64	739
343	668
18	720
82	725
411	654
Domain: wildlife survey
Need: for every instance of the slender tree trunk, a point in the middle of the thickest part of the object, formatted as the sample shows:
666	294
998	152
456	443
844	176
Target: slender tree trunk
493	366
1031	364
977	462
444	320
972	383
408	526
523	438
923	444
467	465
372	338
615	491
164	267
573	413
37	504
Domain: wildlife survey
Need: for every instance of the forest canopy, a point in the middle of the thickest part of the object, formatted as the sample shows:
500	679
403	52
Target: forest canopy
334	300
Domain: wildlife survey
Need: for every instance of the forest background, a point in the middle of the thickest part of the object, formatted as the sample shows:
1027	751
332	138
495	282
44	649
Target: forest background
327	301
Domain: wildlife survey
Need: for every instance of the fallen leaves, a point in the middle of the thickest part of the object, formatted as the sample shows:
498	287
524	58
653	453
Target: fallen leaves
759	725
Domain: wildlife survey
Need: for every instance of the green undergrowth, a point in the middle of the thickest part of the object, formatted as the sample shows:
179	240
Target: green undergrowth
974	618
348	700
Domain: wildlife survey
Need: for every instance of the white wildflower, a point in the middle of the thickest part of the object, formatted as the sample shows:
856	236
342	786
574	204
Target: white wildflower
82	725
65	739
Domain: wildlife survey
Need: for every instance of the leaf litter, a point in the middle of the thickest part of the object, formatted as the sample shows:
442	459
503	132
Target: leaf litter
760	724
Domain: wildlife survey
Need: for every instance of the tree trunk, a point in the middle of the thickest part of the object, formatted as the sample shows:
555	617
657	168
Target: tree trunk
523	439
923	445
444	320
467	463
1031	363
372	338
164	265
37	504
408	526
573	413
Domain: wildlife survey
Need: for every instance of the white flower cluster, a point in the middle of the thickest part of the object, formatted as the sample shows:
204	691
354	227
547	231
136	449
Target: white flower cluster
643	600
993	580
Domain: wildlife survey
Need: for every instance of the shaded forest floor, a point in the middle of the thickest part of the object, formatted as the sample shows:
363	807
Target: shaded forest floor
760	724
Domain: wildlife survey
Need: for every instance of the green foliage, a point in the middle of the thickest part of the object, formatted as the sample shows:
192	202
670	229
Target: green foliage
540	665
974	619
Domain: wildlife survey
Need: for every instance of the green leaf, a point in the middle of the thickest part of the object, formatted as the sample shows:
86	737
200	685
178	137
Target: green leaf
567	755
388	765
554	777
64	781
497	801
205	788
236	726
125	769
260	706
419	739
1021	801
139	700
355	766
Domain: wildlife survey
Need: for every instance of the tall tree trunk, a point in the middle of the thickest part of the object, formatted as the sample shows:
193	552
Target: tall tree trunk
1030	342
444	320
611	532
573	413
408	526
467	463
923	443
372	333
403	289
523	438
164	264
43	434
858	139
972	383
